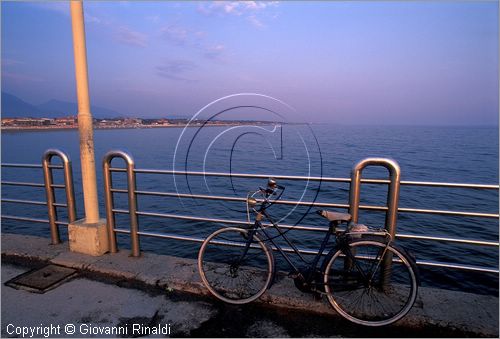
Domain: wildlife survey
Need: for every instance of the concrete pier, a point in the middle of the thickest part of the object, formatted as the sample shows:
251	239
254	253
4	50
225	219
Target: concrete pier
168	287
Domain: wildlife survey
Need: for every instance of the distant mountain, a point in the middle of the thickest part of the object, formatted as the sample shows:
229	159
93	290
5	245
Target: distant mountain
57	108
14	107
178	117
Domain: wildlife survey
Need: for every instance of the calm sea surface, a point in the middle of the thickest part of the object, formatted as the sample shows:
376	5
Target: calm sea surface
441	154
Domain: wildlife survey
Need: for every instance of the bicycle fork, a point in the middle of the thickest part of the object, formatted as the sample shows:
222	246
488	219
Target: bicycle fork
237	263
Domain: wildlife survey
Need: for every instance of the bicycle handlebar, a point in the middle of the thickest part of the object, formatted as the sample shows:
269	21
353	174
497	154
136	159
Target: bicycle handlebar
272	188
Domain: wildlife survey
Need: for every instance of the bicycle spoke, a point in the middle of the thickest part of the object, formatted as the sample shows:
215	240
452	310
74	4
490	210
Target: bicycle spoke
376	263
235	274
382	298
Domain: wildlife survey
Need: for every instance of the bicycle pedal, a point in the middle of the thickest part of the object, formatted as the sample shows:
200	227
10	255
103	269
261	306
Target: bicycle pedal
294	275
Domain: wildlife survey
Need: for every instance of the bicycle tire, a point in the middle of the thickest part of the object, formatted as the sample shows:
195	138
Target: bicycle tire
381	300
229	276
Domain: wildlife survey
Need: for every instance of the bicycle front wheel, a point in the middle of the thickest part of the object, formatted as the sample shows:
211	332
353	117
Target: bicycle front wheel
373	285
234	268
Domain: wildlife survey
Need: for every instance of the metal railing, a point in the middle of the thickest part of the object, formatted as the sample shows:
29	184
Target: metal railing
391	209
50	187
353	206
132	201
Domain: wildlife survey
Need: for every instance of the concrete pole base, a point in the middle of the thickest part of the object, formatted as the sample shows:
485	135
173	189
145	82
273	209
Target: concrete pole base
88	238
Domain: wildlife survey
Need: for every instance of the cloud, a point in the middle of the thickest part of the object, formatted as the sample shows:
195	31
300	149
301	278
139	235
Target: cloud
176	69
89	18
193	39
248	9
153	18
61	7
230	7
120	33
259	4
255	22
235	7
200	34
130	37
214	52
174	33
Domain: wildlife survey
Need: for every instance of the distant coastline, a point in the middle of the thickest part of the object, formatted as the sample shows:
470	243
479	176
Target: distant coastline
135	126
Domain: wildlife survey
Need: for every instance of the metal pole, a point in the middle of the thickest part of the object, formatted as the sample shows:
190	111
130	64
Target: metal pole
84	115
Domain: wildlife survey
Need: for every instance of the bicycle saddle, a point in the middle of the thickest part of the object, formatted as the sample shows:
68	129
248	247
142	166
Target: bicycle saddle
335	216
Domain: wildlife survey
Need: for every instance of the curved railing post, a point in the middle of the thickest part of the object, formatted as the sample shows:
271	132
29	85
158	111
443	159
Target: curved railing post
391	215
49	190
132	201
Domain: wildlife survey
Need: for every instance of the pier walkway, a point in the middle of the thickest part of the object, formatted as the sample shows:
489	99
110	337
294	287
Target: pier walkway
164	295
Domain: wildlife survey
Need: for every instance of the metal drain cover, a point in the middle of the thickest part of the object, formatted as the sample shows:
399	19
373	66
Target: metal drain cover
43	279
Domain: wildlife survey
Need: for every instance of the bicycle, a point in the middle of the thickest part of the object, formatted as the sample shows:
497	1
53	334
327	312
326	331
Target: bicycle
366	278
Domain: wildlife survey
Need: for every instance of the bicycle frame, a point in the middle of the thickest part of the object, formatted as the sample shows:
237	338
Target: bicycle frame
258	227
312	266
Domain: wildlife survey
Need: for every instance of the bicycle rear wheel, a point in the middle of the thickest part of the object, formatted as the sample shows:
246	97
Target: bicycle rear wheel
364	290
231	270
